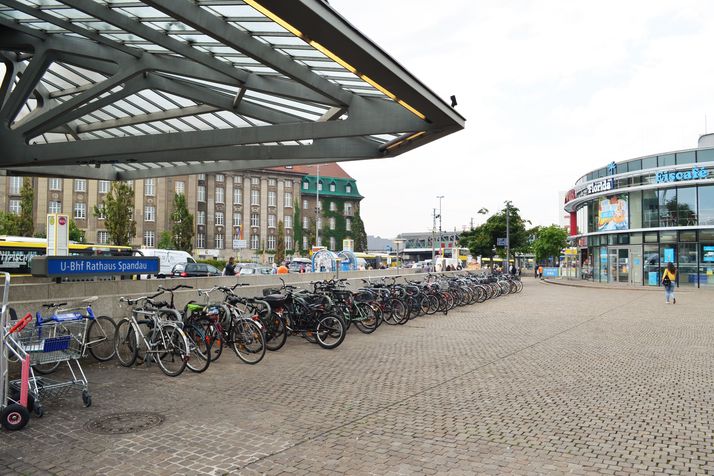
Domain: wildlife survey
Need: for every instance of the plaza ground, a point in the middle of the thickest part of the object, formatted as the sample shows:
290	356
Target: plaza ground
554	380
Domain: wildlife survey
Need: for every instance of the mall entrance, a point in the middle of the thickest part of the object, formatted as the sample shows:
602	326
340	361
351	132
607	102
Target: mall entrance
625	265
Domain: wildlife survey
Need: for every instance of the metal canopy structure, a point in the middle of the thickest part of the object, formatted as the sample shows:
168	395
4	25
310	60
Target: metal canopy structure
123	89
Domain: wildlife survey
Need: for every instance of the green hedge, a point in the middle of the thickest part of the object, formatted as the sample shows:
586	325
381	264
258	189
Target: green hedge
216	263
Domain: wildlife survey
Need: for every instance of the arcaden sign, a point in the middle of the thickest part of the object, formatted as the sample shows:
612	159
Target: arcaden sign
694	174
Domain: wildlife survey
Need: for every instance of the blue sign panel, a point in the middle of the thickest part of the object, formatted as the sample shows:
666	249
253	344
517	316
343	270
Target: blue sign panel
550	272
95	266
652	278
669	255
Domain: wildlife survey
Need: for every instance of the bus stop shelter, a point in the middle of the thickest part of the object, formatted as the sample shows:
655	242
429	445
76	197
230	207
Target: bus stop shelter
123	89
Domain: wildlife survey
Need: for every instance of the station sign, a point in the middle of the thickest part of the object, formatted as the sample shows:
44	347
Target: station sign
694	174
60	266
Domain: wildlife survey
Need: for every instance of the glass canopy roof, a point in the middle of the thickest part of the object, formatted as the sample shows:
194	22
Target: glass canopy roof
122	89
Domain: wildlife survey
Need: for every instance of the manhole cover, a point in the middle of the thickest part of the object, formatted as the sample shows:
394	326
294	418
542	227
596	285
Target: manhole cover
123	423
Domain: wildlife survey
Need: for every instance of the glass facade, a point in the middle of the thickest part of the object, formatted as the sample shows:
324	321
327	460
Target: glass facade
636	216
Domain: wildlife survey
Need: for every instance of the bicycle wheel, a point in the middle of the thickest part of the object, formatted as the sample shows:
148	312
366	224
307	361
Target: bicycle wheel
277	333
100	338
398	311
172	350
125	344
214	334
367	320
330	332
248	341
200	348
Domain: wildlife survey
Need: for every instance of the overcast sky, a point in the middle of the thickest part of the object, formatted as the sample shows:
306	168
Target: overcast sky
550	90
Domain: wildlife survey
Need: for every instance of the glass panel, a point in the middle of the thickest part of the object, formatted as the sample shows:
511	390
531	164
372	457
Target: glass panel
623	265
688	264
667	236
610	239
651	265
612	262
634	165
650	209
649	163
635	210
666	160
603	264
690	235
667	254
636	265
668	207
595	253
706	155
685	158
706	205
706	269
706	235
622	239
687	206
651	237
636	238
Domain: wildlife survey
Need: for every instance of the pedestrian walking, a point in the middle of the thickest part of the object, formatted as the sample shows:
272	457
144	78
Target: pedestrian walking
540	271
230	269
668	279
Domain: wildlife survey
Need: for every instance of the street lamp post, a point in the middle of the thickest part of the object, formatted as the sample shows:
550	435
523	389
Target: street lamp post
440	197
508	240
317	208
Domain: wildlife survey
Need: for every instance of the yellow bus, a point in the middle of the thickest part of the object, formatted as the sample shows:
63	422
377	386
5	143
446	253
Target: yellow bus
373	260
16	252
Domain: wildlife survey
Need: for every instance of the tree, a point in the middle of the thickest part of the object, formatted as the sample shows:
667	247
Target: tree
359	234
75	233
549	241
166	241
9	223
280	246
482	240
297	228
118	210
25	222
182	229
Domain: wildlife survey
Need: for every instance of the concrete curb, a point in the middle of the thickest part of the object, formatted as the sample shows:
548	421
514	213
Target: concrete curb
615	288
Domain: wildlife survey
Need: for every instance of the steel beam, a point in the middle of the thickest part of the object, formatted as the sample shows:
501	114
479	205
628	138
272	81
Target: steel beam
144	118
22	91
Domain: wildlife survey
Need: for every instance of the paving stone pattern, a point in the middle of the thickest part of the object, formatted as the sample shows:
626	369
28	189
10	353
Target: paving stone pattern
554	380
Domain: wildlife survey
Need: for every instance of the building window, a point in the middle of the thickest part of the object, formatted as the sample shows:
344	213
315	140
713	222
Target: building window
305	185
220	194
149	187
179	187
254	242
200	217
219	241
288	242
271	242
348	188
55	184
254	219
333	207
101	215
15	185
220	177
200	240
201	193
288	199
305	205
237	219
332	187
102	237
149	213
348	224
237	196
103	186
271	221
319	186
201	176
237	179
80	211
332	243
288	221
219	218
305	222
149	238
255	181
254	197
55	207
304	242
272	200
80	185
15	206
348	208
332	223
271	182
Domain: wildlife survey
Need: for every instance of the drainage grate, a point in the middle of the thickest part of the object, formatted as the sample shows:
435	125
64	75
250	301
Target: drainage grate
124	423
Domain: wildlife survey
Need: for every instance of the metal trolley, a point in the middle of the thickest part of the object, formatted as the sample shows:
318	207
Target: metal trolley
60	338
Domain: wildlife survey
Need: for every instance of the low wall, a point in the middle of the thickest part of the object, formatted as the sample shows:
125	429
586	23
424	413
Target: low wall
25	297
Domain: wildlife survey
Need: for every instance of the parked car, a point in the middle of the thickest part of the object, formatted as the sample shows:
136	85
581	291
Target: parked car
168	259
300	265
194	270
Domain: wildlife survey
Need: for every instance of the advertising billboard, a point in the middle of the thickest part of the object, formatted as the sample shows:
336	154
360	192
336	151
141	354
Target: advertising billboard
613	213
708	254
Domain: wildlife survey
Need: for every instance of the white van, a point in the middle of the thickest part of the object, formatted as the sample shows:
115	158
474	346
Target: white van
167	259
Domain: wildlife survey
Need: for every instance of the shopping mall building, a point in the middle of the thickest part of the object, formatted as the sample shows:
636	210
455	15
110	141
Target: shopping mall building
629	219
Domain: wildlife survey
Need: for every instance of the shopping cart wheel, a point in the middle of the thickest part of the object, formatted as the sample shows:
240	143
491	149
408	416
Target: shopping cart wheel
86	398
14	417
39	411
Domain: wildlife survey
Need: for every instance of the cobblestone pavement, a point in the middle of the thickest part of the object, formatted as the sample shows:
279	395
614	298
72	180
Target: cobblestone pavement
553	380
